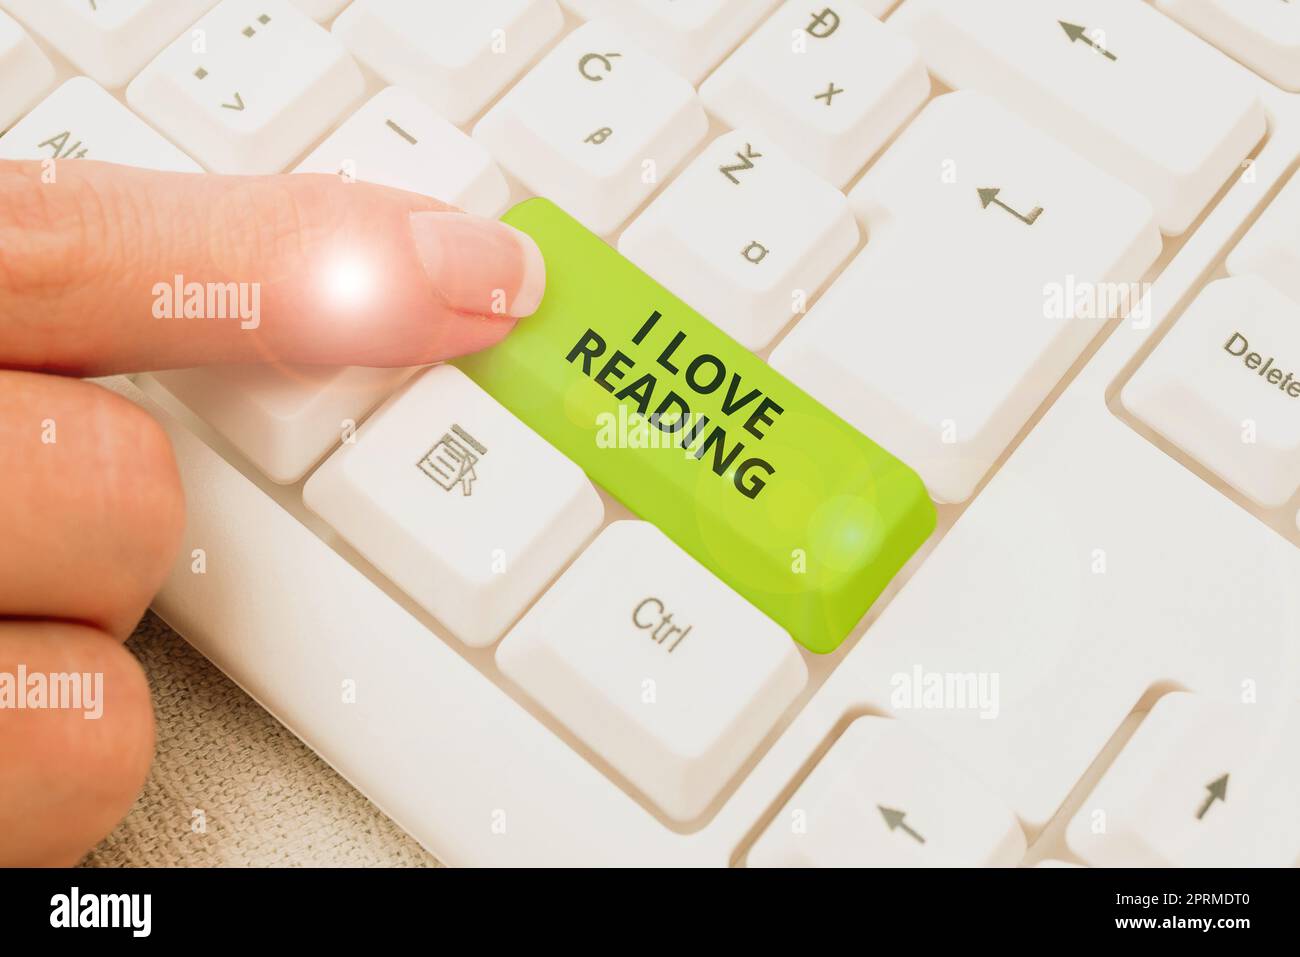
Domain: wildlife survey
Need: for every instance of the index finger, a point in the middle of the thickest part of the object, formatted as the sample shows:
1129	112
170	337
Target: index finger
110	269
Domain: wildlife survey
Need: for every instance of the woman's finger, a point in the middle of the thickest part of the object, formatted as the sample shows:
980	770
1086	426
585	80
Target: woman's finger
91	507
74	756
107	268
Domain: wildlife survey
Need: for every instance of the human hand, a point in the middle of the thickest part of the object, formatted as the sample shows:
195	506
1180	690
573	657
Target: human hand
91	507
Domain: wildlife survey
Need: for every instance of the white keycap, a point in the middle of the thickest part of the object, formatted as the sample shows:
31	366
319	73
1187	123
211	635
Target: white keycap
1271	248
25	72
110	40
1224	386
282	418
1263	34
80	120
320	10
882	797
691	38
828	83
745	236
457	56
458	502
969	303
263	85
595	127
397	140
1202	783
1120	83
664	671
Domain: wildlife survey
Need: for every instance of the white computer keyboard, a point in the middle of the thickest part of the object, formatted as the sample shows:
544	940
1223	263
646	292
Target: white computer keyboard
1096	657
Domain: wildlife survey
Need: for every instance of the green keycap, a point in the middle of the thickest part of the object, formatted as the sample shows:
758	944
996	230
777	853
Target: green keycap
776	495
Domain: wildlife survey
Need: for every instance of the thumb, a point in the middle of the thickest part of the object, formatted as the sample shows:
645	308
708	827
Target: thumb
108	269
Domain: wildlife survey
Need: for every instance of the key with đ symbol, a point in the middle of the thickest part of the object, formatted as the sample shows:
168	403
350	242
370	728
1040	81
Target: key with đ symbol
828	83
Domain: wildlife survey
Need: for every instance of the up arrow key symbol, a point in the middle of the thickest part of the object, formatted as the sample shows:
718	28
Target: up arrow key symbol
1218	791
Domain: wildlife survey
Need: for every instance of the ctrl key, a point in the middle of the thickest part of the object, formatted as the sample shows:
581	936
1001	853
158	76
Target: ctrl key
662	670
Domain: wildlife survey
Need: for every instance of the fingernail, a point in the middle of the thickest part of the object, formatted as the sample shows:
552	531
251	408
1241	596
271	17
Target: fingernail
478	265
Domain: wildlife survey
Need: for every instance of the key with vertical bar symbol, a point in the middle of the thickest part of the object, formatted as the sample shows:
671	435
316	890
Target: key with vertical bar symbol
397	140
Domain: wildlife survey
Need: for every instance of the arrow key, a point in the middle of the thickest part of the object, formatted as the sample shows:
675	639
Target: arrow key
1100	77
965	273
1202	783
883	797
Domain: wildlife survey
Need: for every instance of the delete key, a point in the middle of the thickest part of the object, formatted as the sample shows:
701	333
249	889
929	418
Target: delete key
1224	386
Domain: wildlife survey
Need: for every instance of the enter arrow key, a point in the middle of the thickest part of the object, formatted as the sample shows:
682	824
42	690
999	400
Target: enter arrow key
1100	77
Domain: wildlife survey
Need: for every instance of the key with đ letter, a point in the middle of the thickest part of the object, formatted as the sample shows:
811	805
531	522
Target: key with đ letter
785	502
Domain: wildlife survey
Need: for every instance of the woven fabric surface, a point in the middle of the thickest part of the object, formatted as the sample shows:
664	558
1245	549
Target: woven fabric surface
230	786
